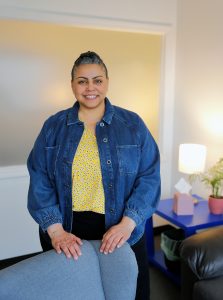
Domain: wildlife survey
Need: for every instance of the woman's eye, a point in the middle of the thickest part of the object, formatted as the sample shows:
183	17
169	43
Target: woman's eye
98	81
81	82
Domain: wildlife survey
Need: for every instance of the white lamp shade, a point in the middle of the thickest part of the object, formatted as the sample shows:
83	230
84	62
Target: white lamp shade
192	158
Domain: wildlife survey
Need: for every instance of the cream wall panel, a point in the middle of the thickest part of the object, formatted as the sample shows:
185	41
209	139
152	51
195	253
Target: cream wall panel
35	77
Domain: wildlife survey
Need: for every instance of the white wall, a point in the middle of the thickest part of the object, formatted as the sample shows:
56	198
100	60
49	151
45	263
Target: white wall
199	79
18	231
158	16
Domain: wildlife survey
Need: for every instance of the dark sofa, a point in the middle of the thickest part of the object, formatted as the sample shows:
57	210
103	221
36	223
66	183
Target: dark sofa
202	265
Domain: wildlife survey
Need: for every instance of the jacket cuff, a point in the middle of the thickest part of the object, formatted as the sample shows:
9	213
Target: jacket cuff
44	224
133	215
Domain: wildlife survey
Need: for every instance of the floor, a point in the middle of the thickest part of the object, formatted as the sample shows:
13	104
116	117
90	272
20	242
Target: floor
162	288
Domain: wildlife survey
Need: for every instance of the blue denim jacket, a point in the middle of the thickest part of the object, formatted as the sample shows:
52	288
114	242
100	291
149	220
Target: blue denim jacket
129	164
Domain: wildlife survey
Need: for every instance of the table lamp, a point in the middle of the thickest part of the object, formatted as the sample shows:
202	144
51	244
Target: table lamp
191	160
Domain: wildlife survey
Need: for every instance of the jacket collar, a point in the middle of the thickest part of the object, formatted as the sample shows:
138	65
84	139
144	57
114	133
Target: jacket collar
109	112
72	117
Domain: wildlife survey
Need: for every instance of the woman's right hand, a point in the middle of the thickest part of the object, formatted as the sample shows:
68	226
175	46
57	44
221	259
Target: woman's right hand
63	241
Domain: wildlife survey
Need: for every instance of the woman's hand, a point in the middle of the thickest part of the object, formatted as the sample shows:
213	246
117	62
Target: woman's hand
117	235
63	241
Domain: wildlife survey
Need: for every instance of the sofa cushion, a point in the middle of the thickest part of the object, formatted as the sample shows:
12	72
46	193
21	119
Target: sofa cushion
208	289
119	269
203	253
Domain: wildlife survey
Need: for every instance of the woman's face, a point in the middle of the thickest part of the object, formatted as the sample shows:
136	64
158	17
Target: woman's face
90	86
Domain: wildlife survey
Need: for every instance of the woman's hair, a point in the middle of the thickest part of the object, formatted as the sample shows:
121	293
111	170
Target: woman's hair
89	57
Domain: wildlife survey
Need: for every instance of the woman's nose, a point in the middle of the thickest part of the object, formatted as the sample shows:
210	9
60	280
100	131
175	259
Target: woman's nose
90	86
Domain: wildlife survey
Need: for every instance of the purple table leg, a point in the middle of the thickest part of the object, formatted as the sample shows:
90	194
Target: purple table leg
150	237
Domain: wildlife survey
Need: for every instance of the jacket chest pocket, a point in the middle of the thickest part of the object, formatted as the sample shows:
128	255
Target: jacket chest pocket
51	159
128	158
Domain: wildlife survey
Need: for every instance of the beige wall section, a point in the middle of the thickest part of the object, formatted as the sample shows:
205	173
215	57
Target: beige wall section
35	63
199	80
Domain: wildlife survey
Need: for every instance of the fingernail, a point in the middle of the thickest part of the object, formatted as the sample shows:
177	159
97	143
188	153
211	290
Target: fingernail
105	252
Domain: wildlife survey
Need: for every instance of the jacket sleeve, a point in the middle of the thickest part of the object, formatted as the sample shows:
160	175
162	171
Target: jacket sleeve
42	197
146	190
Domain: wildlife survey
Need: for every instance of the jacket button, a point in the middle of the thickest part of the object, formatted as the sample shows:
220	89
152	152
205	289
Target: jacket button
110	185
112	210
108	162
105	140
102	124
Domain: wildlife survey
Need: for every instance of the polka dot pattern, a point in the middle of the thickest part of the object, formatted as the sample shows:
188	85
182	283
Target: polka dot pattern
87	186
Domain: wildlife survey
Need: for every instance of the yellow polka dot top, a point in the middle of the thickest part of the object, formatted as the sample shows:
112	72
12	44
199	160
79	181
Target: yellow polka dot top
87	187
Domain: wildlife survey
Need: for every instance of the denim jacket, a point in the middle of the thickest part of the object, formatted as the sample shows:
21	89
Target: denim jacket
129	160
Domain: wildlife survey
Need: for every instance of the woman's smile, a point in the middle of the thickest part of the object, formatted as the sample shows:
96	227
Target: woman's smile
90	97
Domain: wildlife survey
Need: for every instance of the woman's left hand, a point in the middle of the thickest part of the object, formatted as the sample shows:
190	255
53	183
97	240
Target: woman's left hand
117	235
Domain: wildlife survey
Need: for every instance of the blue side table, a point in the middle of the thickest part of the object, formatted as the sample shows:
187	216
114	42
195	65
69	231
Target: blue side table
201	219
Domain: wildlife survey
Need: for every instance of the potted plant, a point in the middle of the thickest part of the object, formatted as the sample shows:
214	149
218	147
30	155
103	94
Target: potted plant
213	178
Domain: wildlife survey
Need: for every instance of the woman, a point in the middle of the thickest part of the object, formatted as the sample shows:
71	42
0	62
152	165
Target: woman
94	173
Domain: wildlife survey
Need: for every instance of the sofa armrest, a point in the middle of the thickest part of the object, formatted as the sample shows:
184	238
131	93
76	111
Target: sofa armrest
53	276
202	252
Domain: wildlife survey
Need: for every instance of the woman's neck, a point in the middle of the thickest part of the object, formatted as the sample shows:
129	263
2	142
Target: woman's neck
90	117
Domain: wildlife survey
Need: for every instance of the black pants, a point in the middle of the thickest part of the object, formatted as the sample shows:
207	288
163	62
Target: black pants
143	281
90	226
